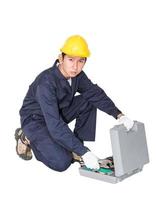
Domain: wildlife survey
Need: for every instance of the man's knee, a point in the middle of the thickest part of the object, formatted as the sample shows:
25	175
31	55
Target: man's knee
86	106
60	166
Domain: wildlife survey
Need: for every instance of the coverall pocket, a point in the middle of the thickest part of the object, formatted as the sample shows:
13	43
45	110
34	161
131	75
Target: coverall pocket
33	129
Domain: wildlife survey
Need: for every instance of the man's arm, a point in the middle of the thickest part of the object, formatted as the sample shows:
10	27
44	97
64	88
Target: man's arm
58	129
96	96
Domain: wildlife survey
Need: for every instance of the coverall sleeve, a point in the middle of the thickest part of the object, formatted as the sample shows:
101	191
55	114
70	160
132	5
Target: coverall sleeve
58	129
96	96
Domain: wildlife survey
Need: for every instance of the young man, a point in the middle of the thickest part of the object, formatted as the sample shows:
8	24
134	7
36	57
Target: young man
50	105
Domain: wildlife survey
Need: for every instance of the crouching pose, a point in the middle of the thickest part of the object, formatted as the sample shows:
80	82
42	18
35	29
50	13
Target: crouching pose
50	104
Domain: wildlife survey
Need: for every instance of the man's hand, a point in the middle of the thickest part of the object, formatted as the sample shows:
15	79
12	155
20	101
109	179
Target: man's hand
128	123
90	160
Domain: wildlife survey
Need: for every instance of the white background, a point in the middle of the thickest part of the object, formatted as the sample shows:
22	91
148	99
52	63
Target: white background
122	39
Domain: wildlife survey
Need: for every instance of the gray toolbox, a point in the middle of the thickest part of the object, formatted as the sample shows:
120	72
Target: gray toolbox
130	154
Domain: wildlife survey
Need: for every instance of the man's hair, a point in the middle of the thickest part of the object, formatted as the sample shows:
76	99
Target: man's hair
63	54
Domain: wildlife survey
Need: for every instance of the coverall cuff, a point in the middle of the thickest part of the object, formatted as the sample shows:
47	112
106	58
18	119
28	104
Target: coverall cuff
83	151
116	113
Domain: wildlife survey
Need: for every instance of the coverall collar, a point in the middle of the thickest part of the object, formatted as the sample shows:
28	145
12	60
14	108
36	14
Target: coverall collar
58	72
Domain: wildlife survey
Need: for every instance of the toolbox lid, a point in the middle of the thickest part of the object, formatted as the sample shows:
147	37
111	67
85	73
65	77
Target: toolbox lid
129	148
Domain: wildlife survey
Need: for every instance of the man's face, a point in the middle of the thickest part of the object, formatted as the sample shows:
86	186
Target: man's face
71	66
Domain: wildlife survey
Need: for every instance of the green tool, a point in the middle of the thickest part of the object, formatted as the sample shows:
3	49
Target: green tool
105	171
101	170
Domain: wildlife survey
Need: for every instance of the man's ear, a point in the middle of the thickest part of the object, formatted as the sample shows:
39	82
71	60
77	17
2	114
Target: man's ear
60	58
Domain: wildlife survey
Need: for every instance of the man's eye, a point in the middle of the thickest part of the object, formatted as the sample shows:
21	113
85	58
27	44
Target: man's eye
70	59
81	61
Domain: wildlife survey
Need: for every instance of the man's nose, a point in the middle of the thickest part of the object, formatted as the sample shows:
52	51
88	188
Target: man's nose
75	65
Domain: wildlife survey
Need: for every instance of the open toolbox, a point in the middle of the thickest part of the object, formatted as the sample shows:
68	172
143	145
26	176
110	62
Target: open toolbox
130	154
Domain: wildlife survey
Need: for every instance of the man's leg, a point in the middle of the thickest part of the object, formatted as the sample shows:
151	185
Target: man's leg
85	115
48	151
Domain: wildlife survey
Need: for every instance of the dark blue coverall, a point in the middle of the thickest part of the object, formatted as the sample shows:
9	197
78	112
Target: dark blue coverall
50	105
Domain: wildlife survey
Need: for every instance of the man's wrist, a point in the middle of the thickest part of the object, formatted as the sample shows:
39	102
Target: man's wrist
120	115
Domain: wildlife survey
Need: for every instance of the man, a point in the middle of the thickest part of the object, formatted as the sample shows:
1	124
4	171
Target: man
50	104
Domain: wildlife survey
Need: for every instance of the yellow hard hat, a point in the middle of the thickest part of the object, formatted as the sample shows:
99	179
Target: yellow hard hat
76	46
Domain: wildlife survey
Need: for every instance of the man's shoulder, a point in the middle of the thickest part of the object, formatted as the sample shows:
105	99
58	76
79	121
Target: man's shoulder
45	77
82	75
